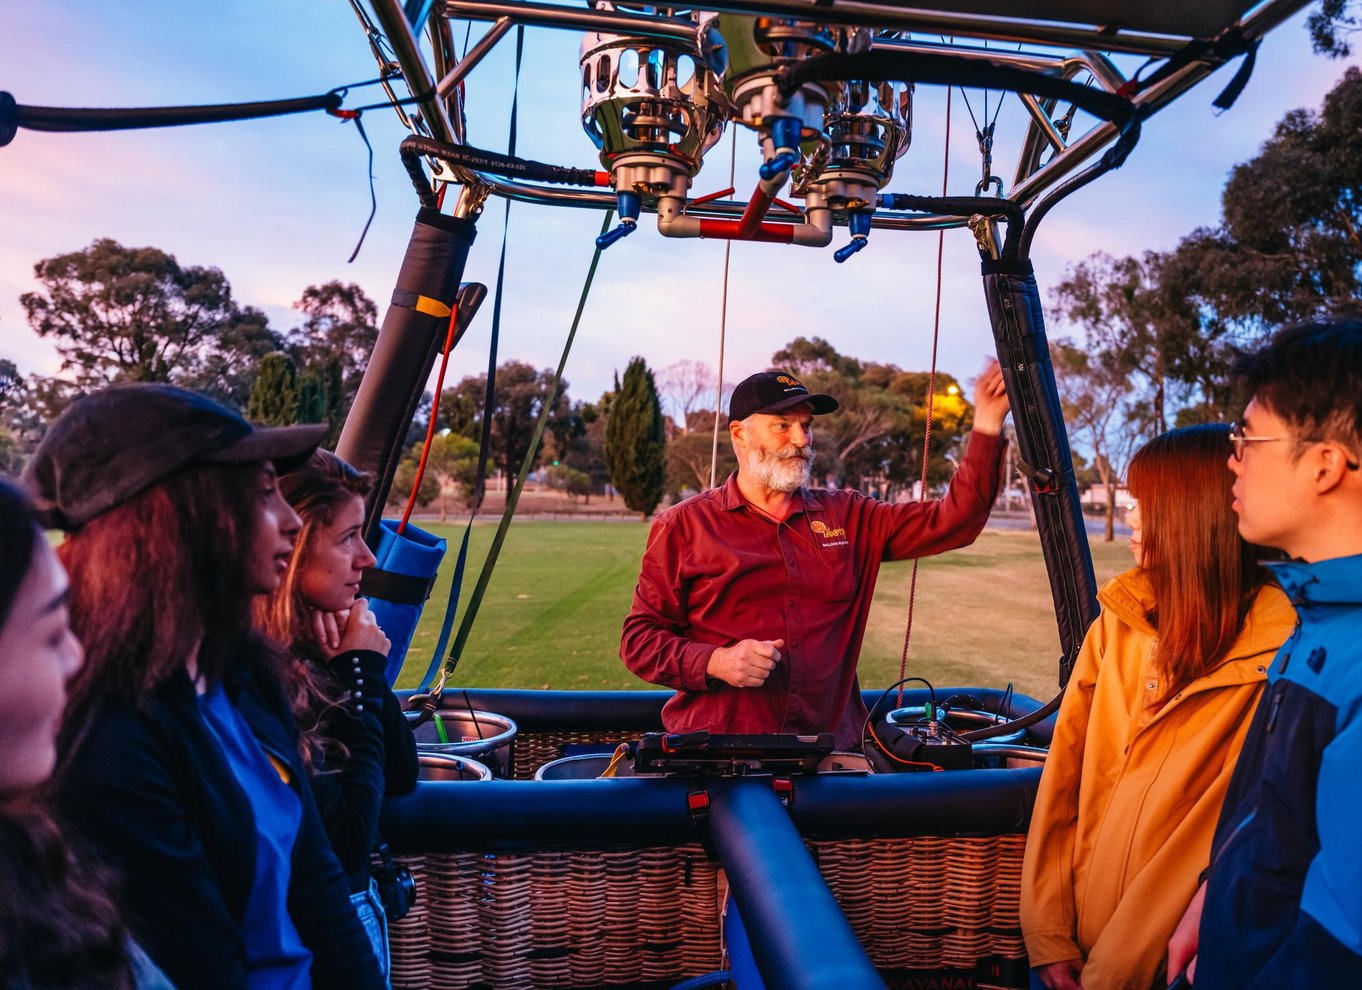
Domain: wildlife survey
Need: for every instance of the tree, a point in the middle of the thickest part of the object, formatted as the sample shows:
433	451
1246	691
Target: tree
453	462
573	483
635	442
12	453
586	452
1331	25
11	382
876	434
121	314
862	417
321	399
274	396
689	455
685	384
13	450
405	478
1289	245
520	394
1098	408
1288	248
226	371
341	324
1118	304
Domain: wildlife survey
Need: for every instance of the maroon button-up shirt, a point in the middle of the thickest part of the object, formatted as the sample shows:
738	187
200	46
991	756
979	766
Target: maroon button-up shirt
716	571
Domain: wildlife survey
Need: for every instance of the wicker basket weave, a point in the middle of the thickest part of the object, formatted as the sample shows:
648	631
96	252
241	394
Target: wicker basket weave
586	918
534	749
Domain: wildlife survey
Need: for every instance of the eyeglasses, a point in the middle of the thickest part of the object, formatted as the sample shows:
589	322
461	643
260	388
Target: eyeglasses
1238	439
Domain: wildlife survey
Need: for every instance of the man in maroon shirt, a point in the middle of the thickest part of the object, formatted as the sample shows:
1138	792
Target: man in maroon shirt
752	597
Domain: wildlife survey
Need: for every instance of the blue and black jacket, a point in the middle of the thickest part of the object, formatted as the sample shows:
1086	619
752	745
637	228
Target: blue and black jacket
1284	897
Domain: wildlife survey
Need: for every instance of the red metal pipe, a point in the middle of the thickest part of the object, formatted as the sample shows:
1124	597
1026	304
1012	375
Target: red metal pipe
757	208
732	230
712	196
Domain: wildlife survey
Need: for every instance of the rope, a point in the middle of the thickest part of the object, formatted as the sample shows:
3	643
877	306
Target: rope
931	400
373	196
430	428
723	332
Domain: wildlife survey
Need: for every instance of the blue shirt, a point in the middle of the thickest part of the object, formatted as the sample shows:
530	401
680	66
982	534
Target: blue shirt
276	958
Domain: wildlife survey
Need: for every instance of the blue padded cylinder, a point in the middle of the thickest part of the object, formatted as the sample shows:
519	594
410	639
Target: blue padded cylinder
413	555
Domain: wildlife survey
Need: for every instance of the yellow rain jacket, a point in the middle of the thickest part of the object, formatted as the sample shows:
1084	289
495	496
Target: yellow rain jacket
1132	790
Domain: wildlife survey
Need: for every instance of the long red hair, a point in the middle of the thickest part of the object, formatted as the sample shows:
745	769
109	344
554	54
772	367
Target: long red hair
158	577
1204	574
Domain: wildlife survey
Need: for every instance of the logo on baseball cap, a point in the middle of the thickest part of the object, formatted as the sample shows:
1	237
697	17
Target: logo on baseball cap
772	392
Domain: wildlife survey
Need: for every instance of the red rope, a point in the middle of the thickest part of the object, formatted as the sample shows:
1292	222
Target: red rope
434	413
931	399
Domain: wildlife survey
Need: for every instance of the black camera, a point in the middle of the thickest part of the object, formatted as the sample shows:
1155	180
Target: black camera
396	886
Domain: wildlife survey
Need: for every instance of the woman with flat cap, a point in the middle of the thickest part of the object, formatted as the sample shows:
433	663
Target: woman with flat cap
179	760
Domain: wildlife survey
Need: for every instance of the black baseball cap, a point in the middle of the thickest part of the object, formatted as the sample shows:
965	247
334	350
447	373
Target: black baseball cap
772	392
109	445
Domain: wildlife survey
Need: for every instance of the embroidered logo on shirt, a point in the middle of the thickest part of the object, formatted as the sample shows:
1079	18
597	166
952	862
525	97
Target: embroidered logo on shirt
831	537
1316	659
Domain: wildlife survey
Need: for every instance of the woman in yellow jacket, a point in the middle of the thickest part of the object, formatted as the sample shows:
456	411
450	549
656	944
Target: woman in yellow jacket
1150	727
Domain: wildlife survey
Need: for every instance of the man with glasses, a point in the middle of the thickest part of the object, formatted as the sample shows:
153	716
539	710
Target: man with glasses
1282	903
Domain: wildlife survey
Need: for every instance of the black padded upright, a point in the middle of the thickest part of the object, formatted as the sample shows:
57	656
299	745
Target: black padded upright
1043	443
412	335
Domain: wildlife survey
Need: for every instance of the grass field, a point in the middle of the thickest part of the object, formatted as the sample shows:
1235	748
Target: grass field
552	614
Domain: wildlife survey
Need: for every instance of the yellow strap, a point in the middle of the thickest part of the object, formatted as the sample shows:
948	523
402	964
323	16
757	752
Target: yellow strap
281	768
621	752
431	307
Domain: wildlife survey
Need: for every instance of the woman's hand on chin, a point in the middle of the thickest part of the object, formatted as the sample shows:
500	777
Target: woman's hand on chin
361	631
325	628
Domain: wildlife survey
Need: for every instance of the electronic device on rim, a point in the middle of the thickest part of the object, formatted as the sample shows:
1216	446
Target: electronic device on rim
704	753
396	886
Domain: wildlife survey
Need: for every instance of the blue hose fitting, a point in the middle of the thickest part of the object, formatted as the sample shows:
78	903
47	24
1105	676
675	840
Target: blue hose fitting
629	205
783	162
843	253
785	133
858	222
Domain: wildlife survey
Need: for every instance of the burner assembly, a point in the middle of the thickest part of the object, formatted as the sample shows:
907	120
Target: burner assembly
654	106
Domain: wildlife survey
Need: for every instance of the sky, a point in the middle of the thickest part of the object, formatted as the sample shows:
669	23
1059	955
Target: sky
279	204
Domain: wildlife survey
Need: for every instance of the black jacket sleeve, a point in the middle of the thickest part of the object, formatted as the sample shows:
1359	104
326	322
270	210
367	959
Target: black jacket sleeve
399	749
381	761
120	794
349	795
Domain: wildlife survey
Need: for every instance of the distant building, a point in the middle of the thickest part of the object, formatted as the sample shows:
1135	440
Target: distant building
1096	496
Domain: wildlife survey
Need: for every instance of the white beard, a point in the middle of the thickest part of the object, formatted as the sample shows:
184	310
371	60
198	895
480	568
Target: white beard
786	471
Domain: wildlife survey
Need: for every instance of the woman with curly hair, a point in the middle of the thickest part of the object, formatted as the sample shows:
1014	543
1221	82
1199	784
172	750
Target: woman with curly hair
355	740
